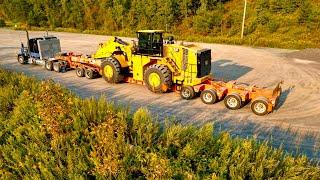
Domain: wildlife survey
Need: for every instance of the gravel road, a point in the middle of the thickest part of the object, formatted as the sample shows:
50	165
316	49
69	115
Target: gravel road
295	123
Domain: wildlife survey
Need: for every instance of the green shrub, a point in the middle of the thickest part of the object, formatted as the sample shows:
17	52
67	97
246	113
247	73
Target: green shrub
273	26
49	133
2	23
251	27
263	18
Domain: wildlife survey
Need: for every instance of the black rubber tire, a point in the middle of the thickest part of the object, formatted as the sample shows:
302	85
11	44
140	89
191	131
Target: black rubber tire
57	66
263	103
22	59
117	76
165	78
209	96
235	97
80	72
48	65
187	92
89	73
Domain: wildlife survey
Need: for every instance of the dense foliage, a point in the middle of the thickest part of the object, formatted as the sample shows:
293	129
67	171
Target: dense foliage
46	132
274	23
2	23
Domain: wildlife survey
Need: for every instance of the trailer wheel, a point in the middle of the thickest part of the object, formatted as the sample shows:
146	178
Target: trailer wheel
187	92
111	70
57	66
259	106
209	96
89	73
233	101
22	59
48	65
158	78
80	72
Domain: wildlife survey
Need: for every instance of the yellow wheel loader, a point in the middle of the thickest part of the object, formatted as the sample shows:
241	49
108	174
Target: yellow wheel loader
163	66
160	65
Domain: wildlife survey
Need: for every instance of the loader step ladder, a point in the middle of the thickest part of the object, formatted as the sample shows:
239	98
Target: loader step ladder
190	73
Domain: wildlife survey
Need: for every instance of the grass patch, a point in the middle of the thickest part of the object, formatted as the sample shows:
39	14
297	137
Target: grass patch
49	133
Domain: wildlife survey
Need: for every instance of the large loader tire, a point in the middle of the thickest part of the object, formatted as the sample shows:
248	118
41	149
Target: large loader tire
111	70
158	78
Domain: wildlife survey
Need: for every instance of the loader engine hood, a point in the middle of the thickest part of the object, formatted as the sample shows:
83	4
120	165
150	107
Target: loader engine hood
203	62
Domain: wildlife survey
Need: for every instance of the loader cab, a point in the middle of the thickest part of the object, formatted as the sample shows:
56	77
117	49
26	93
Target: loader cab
150	42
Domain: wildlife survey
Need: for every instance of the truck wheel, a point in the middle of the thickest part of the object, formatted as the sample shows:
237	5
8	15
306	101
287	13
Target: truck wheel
259	106
209	96
22	59
57	66
111	71
80	72
187	92
158	78
89	73
233	101
48	65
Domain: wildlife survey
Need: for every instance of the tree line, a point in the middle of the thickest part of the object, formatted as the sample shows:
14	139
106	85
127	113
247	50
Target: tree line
185	17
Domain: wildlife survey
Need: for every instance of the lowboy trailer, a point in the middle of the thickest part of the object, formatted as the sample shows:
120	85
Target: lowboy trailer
160	65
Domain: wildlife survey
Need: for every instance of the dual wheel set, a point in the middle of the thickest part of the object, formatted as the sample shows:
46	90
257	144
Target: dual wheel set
86	72
61	66
55	66
233	101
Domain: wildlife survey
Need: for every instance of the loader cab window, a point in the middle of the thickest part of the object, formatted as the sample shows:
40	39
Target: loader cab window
150	43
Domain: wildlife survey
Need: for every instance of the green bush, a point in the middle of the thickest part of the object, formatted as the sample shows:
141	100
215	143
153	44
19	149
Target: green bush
251	27
263	18
2	23
46	132
273	26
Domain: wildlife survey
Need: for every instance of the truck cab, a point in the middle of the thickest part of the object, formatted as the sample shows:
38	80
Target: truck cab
39	49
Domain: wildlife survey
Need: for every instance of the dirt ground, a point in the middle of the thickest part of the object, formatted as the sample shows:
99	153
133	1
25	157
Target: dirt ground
295	124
